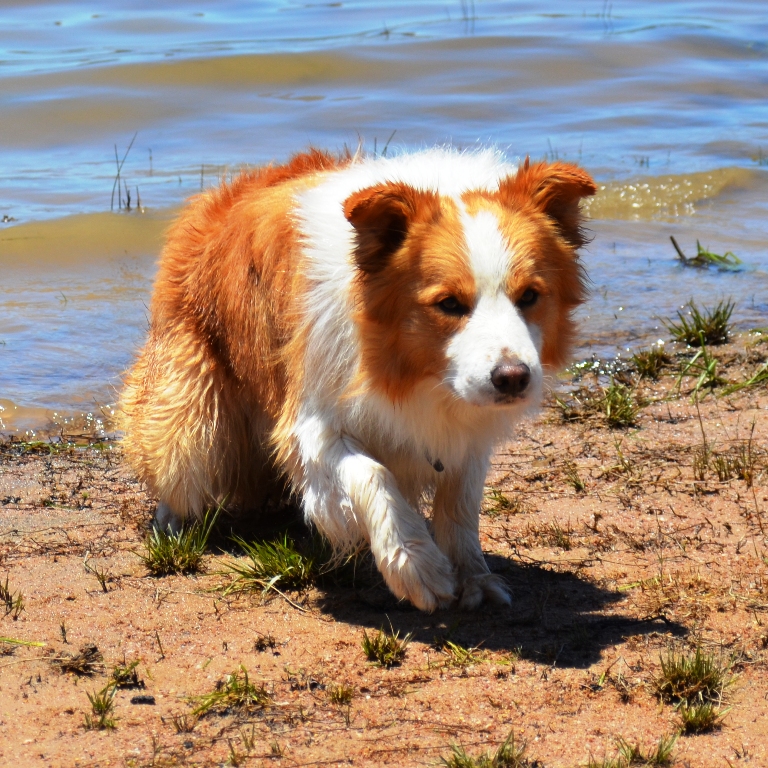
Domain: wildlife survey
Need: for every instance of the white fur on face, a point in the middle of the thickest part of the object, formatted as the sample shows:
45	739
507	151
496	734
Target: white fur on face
496	332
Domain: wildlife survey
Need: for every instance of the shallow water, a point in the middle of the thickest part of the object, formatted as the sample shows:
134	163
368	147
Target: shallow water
665	103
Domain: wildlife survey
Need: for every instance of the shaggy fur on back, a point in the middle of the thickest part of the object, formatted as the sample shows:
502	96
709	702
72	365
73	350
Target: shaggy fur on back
366	330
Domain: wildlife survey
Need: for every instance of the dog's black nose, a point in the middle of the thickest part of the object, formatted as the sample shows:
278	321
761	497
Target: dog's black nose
511	378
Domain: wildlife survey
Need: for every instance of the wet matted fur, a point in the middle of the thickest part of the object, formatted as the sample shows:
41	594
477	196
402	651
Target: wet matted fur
367	330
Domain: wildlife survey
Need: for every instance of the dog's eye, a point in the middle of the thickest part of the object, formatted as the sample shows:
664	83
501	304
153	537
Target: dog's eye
528	299
452	306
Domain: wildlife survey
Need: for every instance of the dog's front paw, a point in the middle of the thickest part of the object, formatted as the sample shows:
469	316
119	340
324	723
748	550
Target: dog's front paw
484	588
422	575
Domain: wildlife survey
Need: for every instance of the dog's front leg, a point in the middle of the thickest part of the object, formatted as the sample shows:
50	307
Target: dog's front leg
456	523
350	496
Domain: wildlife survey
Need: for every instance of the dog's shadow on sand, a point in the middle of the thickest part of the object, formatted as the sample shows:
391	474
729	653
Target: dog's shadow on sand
556	618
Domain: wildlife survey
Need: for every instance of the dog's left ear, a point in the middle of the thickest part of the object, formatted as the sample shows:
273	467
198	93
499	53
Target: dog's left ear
382	215
553	188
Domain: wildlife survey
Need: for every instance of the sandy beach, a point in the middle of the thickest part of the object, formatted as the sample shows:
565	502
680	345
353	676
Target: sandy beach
621	545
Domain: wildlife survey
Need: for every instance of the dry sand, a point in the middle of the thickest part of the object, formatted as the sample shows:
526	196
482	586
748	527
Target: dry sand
617	543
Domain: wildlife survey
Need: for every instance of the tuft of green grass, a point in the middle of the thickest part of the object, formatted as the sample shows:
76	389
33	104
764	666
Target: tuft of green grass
625	464
341	694
700	716
385	649
703	365
125	675
235	693
705	326
559	536
701	459
552	534
272	563
660	755
459	656
510	754
759	377
687	677
166	552
103	576
13	603
500	503
616	403
739	461
102	707
725	466
634	755
249	738
619	405
573	477
740	464
705	258
650	362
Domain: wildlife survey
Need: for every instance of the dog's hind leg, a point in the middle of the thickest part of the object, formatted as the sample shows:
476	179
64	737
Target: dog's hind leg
456	524
181	435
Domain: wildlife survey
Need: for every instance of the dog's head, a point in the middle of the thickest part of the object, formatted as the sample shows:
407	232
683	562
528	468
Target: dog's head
476	292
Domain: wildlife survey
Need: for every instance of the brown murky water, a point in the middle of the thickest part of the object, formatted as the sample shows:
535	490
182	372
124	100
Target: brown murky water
665	103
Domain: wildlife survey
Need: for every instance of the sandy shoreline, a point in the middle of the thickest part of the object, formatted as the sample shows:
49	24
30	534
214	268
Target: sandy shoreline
616	543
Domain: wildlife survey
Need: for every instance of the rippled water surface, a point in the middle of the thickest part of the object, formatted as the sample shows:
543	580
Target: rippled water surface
665	103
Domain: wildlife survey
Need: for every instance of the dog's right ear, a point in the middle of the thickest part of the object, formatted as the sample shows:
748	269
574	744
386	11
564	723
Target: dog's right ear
382	216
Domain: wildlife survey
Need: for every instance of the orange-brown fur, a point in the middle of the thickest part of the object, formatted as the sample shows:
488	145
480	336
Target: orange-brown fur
549	195
403	334
299	309
212	379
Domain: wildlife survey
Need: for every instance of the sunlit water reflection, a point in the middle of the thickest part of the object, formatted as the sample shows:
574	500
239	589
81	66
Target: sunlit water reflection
664	103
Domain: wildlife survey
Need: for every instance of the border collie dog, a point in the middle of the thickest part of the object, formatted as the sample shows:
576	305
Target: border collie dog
368	330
